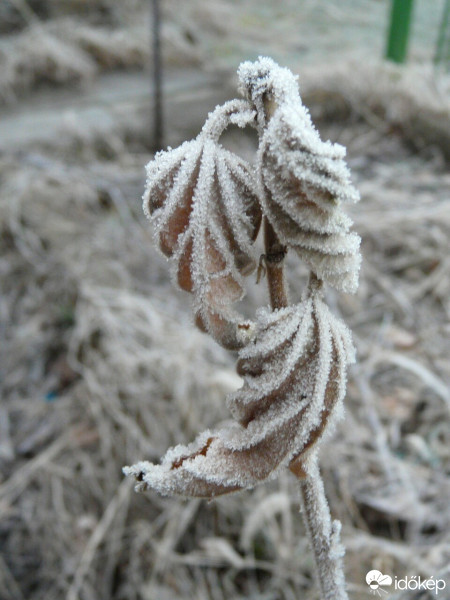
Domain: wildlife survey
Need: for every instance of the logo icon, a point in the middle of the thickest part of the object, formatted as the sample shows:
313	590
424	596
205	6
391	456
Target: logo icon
375	580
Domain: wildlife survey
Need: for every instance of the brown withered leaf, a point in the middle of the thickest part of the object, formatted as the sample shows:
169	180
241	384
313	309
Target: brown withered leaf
201	199
303	180
294	382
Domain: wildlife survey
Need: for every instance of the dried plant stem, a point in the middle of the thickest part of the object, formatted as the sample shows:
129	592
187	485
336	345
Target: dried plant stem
274	259
323	533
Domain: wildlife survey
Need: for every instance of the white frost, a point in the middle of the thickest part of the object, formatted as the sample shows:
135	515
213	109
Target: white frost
206	214
303	180
281	411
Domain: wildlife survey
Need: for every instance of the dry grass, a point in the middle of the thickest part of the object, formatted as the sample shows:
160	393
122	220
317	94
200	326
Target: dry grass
101	366
71	50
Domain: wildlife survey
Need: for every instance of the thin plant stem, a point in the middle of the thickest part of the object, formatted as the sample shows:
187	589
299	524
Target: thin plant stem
322	531
274	260
323	534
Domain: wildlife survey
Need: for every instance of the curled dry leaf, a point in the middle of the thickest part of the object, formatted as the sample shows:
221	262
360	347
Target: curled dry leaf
294	381
303	180
202	201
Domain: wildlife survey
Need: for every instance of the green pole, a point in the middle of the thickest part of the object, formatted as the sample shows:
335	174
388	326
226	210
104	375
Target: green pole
397	44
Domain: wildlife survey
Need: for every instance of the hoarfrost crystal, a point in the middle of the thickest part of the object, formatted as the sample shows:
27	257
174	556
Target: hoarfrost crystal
303	180
201	199
294	382
206	205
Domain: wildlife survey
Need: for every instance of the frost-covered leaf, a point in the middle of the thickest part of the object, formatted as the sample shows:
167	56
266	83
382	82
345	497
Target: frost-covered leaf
201	199
303	180
294	382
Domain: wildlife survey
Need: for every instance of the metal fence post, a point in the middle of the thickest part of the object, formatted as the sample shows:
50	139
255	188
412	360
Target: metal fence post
158	116
397	44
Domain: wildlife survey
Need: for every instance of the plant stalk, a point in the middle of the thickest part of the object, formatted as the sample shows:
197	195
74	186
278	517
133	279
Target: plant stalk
274	261
323	533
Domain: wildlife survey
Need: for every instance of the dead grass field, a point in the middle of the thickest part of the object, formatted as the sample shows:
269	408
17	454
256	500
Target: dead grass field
100	364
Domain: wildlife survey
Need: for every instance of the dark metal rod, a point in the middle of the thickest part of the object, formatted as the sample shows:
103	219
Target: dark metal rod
158	125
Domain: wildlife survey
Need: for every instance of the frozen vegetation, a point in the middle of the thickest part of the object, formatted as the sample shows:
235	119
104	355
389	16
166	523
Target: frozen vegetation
101	363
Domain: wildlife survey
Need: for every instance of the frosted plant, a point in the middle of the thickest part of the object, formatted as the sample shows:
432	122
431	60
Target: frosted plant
304	180
206	205
202	201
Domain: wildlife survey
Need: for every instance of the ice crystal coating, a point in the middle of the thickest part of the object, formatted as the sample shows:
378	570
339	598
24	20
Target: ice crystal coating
206	206
294	382
265	84
202	201
303	180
